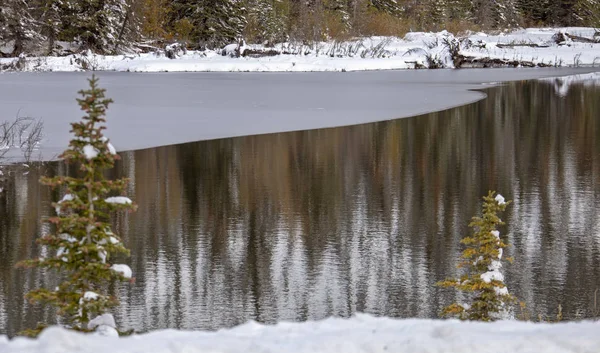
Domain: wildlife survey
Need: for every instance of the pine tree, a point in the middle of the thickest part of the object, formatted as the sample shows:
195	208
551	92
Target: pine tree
98	25
505	14
214	23
390	7
83	241
459	10
51	21
534	12
483	260
17	25
587	13
266	21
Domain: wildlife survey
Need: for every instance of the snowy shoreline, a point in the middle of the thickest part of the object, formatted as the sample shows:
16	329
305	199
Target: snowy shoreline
532	47
362	333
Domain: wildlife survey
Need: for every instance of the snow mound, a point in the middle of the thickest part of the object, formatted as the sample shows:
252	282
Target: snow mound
119	200
122	269
362	333
90	152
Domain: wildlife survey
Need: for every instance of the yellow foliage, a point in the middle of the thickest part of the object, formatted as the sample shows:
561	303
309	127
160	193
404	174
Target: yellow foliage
482	255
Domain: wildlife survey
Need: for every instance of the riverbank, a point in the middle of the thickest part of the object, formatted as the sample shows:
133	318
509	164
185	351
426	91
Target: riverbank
363	333
532	47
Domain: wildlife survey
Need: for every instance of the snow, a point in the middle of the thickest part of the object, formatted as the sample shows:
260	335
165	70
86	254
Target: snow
119	200
104	325
500	199
90	152
90	296
415	49
123	269
67	197
111	148
111	239
501	291
360	334
104	319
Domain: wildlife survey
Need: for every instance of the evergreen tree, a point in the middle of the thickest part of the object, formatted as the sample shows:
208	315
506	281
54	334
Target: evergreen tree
213	23
587	13
83	242
459	10
266	21
436	14
388	6
17	25
534	12
505	14
483	260
50	21
98	25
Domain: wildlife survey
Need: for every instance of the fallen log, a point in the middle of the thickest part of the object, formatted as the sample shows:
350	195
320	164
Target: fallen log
582	39
513	45
259	53
475	62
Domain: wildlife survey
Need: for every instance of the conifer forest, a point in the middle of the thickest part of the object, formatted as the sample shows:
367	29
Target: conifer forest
117	26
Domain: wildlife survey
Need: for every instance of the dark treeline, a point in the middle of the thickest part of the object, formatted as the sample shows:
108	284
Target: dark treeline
110	26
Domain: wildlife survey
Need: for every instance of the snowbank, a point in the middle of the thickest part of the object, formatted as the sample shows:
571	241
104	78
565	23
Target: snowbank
534	46
362	333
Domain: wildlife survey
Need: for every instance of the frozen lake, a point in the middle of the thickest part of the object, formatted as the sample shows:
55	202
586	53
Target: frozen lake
309	224
153	110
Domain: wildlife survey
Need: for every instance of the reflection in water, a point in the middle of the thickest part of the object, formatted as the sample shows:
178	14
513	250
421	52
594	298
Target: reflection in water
304	225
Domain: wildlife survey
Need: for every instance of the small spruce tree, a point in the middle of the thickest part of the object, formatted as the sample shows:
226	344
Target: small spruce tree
482	258
83	242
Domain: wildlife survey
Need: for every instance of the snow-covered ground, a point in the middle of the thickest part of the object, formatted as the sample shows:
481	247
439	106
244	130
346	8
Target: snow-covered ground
362	333
534	46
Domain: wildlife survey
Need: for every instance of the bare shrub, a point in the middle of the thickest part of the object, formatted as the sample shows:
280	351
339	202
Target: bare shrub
23	133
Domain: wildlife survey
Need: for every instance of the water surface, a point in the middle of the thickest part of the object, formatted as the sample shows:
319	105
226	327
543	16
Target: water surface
305	225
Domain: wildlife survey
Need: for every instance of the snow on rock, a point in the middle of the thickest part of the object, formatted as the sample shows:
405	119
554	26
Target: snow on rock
90	152
360	334
123	269
119	200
